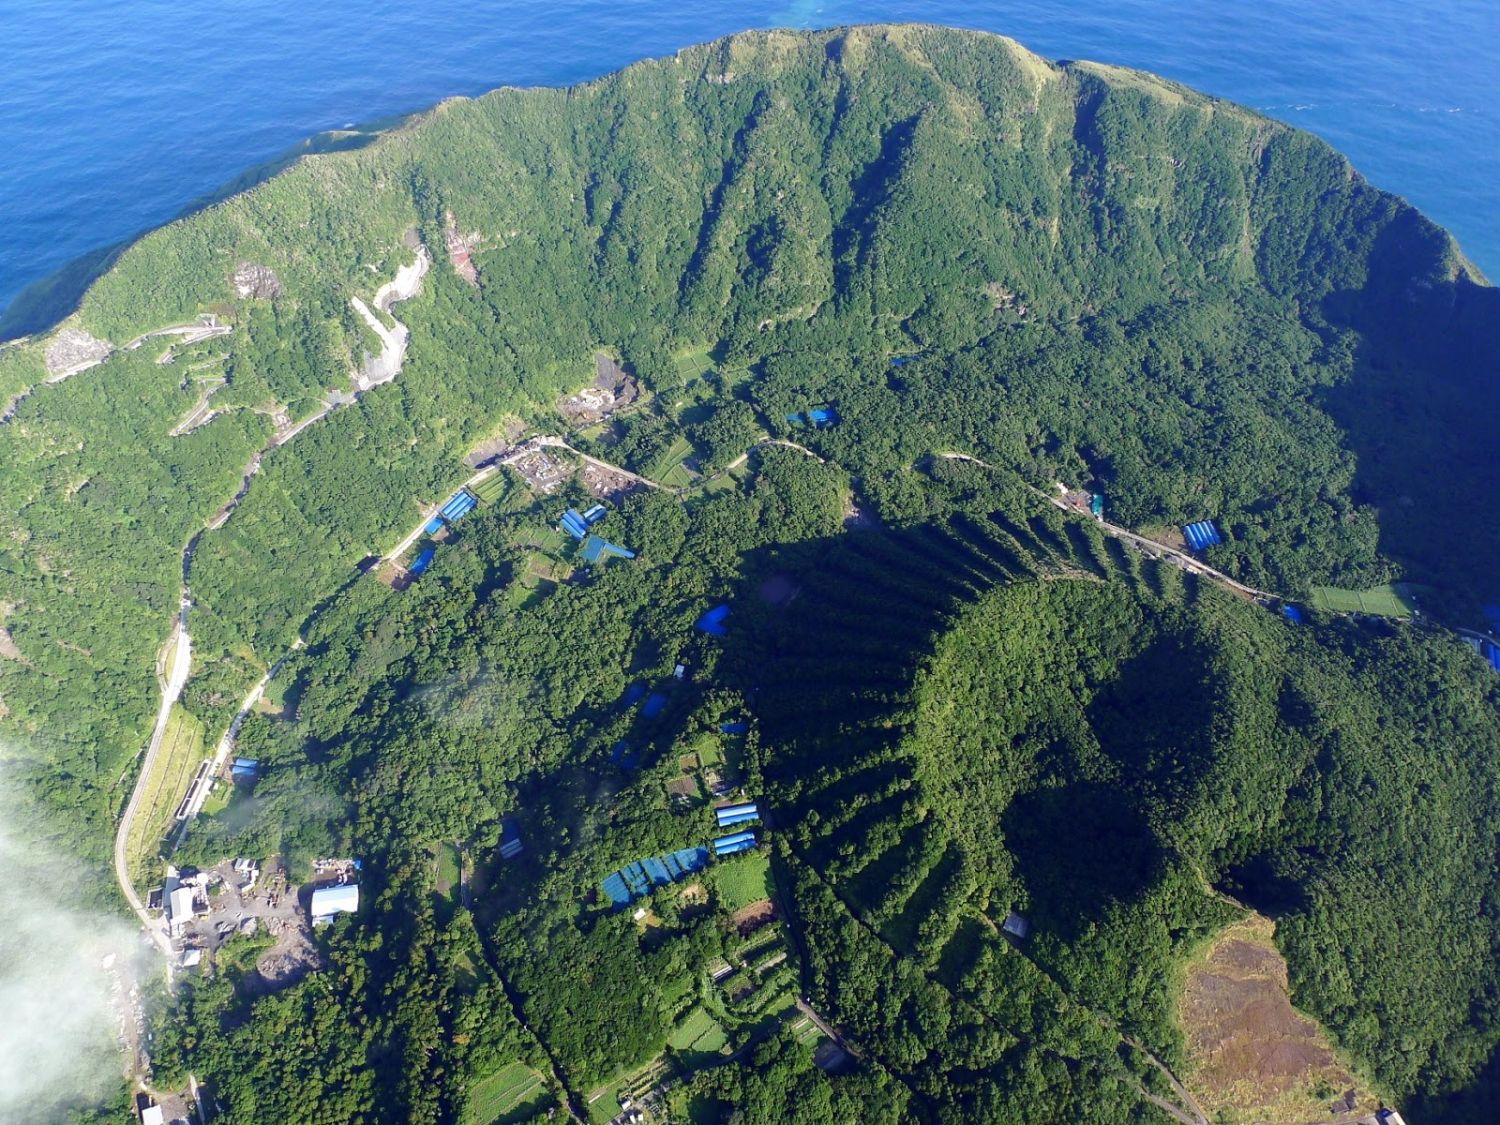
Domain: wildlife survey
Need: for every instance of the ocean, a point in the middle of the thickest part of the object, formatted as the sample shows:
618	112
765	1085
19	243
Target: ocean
115	116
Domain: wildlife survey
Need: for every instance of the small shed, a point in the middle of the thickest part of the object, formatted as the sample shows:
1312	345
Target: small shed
1016	926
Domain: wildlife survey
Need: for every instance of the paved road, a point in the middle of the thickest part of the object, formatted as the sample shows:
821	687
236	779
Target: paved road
176	677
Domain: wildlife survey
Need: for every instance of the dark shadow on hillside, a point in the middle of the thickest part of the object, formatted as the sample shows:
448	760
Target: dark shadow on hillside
43	303
1420	410
1153	717
1080	848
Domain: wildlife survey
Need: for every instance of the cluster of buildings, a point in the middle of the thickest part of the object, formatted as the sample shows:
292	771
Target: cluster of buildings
460	504
594	547
639	878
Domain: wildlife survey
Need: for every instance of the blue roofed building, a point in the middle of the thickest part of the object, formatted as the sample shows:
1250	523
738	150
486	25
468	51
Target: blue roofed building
593	515
616	890
573	524
641	877
422	561
736	842
1292	613
738	727
458	506
1202	534
654	704
712	622
435	526
736	814
595	549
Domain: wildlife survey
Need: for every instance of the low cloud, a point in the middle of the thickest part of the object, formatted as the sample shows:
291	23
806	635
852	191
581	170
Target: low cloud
62	966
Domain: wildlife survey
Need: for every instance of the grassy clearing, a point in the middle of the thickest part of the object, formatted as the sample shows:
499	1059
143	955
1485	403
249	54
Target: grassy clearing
512	1087
699	1038
176	763
690	1030
219	799
447	861
668	469
692	363
742	880
709	750
1397	599
1252	1056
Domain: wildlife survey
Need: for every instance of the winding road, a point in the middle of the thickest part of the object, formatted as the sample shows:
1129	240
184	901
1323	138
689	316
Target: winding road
387	366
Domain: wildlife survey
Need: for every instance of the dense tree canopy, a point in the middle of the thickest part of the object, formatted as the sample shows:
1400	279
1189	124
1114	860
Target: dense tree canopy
959	701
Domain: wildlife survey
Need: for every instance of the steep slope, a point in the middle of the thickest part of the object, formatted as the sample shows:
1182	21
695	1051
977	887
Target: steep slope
1096	276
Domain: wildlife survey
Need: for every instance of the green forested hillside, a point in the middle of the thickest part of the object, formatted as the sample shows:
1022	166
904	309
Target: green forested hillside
970	705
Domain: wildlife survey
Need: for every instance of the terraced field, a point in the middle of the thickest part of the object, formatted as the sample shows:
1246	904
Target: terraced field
180	756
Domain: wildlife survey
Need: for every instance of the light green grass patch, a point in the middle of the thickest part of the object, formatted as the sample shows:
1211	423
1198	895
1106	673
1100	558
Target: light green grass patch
668	469
743	879
690	1030
510	1088
709	750
176	764
1396	599
692	362
698	1038
447	861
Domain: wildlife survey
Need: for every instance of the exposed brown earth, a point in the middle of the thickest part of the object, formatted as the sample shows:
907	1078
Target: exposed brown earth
460	249
750	918
613	389
1253	1057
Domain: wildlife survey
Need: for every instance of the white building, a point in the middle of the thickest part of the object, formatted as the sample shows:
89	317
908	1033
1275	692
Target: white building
327	902
179	909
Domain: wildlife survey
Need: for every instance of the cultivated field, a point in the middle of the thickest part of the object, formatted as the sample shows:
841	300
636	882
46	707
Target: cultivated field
668	469
1252	1056
180	756
514	1086
1391	600
698	1035
491	488
742	880
692	363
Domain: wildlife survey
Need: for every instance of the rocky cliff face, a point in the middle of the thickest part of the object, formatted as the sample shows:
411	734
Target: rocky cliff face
255	281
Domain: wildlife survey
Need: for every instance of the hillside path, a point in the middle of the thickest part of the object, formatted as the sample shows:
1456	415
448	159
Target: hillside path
1188	562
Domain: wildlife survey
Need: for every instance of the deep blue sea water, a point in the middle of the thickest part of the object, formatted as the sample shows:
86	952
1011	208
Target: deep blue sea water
114	114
